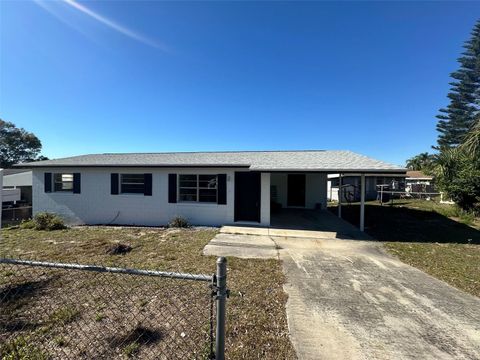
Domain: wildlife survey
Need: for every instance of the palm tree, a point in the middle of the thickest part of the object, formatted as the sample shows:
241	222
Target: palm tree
471	145
421	161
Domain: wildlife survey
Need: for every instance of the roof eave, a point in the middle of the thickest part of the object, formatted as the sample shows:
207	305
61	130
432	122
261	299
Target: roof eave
32	165
333	171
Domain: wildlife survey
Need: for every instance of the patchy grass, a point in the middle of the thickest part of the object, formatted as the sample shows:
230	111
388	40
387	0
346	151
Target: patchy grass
20	348
64	315
256	319
456	264
131	349
414	221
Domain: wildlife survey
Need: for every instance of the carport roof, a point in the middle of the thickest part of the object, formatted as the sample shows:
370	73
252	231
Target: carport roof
305	160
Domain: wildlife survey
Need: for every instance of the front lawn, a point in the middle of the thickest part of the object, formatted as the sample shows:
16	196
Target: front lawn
256	319
456	264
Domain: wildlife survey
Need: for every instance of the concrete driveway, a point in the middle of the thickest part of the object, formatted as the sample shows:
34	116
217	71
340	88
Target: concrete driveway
350	300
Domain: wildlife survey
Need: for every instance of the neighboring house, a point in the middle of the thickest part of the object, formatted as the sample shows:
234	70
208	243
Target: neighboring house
17	186
373	182
207	188
418	178
418	182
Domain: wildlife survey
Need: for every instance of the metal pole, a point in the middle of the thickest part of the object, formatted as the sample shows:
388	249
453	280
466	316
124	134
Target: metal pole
222	294
339	195
362	202
104	269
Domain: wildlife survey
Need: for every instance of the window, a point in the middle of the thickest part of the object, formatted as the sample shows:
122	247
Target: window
63	182
132	183
198	188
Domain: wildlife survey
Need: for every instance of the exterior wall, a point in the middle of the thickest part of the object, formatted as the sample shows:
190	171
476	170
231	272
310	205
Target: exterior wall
315	189
95	204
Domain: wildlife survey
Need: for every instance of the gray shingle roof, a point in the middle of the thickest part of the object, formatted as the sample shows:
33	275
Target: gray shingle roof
311	160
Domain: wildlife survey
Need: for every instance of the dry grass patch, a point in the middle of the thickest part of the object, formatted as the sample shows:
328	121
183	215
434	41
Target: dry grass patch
256	319
456	264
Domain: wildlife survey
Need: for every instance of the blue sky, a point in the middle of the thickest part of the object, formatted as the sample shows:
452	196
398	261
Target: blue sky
90	77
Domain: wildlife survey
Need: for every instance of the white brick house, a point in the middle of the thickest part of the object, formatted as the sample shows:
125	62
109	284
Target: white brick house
209	188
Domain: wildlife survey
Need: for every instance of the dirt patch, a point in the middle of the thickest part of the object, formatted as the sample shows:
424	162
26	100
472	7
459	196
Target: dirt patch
119	249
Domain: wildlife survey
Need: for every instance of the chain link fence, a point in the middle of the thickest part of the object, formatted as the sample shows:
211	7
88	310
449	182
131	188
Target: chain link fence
72	311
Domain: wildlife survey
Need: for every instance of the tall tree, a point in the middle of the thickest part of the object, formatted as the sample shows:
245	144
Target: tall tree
458	117
17	145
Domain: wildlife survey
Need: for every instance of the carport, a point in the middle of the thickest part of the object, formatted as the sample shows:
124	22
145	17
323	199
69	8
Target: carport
299	199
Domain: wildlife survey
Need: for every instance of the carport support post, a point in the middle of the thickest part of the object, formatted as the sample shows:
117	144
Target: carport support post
362	202
339	195
221	298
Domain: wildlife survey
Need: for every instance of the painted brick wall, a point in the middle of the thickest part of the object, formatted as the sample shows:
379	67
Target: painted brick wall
95	204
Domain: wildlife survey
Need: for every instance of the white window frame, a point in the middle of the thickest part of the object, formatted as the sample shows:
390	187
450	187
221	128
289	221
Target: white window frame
120	180
61	182
198	188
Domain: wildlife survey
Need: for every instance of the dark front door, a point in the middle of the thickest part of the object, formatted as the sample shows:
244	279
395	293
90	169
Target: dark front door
247	196
296	190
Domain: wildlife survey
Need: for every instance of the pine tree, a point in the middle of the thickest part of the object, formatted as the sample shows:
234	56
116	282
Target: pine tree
459	116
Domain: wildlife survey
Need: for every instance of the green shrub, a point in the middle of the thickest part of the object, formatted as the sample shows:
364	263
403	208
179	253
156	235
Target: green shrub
179	222
27	224
44	221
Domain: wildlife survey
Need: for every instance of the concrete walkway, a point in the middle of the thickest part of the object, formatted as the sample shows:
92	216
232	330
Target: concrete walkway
350	300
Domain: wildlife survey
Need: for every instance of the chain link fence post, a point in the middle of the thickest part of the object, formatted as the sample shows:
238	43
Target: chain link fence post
221	298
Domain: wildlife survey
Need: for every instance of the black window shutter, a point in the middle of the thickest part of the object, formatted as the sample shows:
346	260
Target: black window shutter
48	182
172	188
76	183
114	184
148	185
222	189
